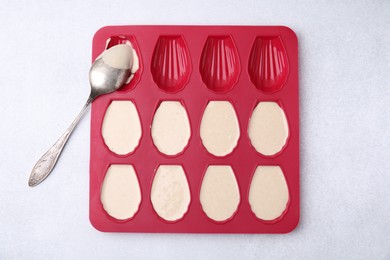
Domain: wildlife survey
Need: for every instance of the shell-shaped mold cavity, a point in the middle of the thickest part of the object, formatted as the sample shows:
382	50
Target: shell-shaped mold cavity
220	64
219	194
121	129
121	193
268	129
219	129
137	67
170	193
171	128
171	64
268	193
268	64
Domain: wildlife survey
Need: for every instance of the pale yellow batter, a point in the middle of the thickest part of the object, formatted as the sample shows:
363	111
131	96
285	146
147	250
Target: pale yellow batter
268	128
268	194
171	128
120	194
219	194
219	129
170	193
121	128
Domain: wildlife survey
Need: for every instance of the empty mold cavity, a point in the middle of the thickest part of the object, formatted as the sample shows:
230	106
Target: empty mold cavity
170	194
120	193
137	67
220	64
219	193
268	193
171	128
268	129
121	129
219	128
268	65
171	64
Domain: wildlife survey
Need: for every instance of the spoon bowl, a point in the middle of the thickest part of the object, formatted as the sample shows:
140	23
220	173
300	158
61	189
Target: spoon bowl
105	79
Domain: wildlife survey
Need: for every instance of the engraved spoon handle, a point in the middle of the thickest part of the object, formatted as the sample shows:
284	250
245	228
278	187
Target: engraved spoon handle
45	165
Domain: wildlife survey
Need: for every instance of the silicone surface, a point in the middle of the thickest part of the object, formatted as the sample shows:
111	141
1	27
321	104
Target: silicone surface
244	65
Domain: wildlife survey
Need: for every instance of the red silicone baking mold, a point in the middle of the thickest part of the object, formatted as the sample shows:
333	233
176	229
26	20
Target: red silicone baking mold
241	64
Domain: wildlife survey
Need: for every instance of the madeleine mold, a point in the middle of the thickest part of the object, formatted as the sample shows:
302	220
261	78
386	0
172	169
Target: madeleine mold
220	64
219	128
171	64
268	65
204	138
171	129
120	193
170	194
219	193
121	128
268	193
268	128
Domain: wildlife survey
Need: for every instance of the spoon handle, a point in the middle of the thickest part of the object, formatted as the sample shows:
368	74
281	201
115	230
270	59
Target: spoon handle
45	165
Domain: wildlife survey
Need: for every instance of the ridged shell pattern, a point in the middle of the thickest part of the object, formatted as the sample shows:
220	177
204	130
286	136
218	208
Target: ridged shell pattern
220	64
268	64
171	64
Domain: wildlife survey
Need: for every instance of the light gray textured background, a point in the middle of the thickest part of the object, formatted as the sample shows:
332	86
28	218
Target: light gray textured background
345	126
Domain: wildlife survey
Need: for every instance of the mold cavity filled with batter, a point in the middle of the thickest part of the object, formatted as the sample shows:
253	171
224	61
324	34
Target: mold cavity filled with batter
170	193
171	128
219	194
268	129
121	129
219	129
268	194
120	193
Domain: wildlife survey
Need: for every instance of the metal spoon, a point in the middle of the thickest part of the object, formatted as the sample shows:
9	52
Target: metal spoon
103	79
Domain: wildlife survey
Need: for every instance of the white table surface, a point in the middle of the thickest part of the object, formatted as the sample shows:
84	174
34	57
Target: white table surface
345	127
